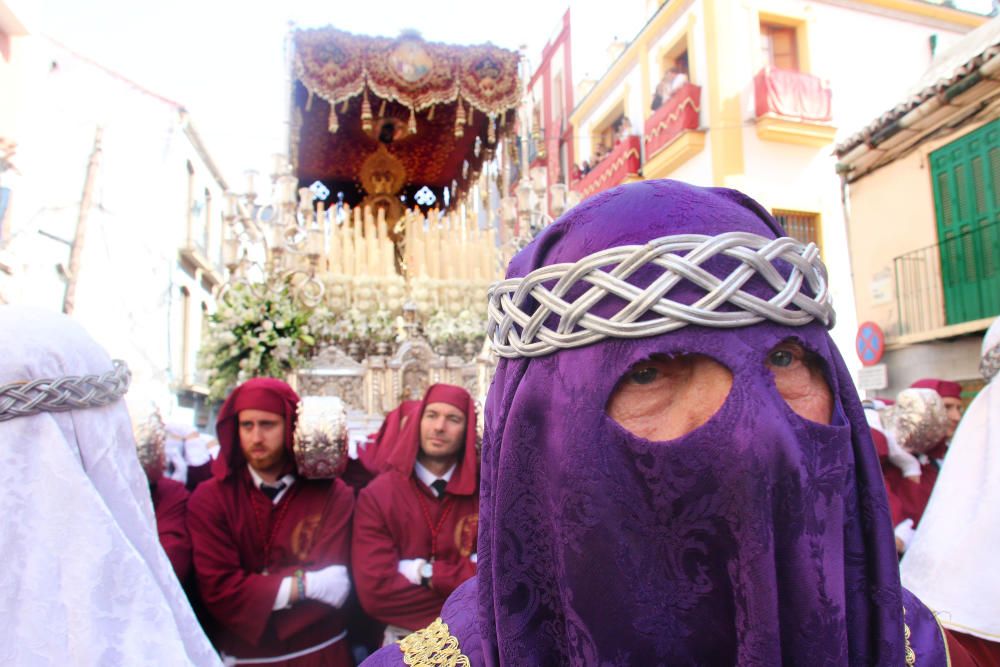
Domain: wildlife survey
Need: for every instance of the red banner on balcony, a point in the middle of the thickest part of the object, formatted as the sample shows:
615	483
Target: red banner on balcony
620	163
678	113
792	95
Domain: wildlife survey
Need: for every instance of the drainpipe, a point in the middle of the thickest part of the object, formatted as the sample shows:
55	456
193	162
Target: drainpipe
76	248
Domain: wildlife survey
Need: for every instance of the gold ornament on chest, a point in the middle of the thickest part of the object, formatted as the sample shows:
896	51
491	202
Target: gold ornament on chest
434	646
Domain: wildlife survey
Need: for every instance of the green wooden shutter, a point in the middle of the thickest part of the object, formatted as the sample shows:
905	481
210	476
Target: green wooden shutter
966	178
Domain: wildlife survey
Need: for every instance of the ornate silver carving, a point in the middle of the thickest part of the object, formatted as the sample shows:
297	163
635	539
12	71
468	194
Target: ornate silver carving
320	445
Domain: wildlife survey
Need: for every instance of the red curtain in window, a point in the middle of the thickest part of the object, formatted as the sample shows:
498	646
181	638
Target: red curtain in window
792	95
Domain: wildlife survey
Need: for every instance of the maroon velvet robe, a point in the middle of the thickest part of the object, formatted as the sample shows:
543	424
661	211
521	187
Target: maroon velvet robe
912	496
170	500
389	526
230	521
968	650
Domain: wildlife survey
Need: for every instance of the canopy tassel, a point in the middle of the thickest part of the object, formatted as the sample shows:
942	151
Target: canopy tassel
460	120
491	129
333	124
366	113
412	125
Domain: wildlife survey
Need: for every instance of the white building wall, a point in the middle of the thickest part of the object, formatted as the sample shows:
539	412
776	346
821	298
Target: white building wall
874	68
128	287
698	169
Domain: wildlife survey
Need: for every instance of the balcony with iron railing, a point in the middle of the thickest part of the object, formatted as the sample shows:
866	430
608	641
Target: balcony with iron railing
949	288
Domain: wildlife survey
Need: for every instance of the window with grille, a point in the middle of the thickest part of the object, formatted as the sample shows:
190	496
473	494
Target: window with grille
799	225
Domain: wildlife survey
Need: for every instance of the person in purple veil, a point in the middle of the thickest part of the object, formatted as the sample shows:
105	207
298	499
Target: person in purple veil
676	468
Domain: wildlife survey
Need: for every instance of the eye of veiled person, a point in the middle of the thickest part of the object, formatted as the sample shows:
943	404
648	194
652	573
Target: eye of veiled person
662	398
800	379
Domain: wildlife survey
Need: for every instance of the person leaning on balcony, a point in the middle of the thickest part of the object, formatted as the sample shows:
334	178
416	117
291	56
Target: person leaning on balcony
673	80
624	130
951	564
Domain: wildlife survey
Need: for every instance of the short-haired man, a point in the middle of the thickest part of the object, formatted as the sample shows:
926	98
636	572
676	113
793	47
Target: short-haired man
416	525
914	491
951	395
271	548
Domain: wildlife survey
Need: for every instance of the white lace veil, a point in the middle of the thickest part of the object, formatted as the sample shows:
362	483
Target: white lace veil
951	565
84	580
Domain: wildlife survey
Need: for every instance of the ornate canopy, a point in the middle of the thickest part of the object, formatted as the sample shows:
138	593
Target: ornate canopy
439	109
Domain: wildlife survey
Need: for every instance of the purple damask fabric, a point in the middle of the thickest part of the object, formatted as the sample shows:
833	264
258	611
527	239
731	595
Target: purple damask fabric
759	538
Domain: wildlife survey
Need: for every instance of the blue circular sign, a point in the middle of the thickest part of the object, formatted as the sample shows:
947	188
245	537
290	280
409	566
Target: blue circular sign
870	343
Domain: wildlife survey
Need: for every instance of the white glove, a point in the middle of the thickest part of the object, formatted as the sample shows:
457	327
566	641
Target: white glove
901	458
330	585
474	557
905	532
411	569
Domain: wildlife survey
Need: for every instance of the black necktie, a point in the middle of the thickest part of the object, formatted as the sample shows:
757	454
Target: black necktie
272	491
438	486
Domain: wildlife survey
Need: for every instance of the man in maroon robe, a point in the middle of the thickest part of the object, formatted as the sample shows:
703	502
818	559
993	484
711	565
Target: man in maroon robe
912	492
416	524
951	395
170	500
271	548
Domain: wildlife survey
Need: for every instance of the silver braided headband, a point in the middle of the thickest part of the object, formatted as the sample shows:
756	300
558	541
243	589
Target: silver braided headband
518	333
71	392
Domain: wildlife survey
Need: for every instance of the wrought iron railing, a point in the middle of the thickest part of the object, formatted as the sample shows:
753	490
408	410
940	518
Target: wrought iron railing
953	281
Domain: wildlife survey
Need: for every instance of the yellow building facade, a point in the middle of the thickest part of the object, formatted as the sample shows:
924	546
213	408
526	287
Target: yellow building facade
753	95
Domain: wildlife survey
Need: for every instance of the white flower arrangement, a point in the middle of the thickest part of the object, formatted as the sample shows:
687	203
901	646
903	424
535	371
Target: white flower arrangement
255	332
452	333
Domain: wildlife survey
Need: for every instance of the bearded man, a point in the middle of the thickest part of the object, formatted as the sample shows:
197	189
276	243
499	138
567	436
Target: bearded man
676	466
271	548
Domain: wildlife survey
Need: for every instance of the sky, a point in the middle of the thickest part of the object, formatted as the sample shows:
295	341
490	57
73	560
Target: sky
224	59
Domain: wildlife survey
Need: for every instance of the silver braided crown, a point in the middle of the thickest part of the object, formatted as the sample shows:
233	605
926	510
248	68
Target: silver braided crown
71	392
515	332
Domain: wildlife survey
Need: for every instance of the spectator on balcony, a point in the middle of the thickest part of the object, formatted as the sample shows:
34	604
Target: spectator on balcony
624	130
673	80
85	580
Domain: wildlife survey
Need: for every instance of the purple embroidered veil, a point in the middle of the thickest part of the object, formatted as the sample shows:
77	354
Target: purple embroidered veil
758	538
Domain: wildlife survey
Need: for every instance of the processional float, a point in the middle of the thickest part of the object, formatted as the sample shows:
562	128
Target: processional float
373	259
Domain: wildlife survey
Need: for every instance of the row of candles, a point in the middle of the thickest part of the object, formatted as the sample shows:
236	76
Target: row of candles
356	242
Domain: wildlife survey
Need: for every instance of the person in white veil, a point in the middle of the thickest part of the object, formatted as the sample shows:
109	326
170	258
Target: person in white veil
951	564
84	579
